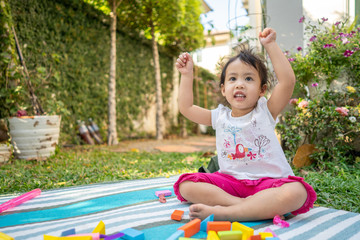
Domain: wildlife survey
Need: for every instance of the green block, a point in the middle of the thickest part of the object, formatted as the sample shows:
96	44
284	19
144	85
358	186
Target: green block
230	235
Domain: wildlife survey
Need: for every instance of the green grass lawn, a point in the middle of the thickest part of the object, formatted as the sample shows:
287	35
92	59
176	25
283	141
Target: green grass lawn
337	186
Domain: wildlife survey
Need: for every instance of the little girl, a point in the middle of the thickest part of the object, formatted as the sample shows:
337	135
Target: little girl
254	181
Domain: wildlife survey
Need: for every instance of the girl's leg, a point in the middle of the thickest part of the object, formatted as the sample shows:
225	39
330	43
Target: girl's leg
206	193
262	205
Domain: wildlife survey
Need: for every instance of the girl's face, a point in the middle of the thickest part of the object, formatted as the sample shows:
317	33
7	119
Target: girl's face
242	87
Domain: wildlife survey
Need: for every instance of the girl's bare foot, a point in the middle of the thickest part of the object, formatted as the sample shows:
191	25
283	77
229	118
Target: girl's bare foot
202	211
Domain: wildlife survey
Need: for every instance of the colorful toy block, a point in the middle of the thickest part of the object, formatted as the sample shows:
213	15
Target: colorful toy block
218	226
177	215
4	236
165	192
272	238
133	234
203	225
230	235
255	237
270	231
94	236
191	227
162	198
247	231
265	235
212	235
111	237
100	228
176	235
185	238
68	232
47	237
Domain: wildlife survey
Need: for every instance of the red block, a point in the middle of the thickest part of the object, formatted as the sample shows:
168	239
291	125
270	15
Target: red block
255	237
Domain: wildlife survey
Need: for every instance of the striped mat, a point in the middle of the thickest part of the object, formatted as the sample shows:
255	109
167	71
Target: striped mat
133	204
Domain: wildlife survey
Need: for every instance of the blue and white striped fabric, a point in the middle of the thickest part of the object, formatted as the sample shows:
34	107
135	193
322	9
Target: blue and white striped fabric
125	204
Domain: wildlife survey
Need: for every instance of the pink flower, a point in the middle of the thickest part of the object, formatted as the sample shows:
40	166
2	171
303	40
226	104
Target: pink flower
345	40
301	19
251	155
291	59
315	84
293	101
330	45
343	111
348	53
303	104
313	38
324	19
337	23
299	48
21	113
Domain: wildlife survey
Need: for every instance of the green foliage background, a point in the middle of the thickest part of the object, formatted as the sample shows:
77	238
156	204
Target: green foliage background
66	46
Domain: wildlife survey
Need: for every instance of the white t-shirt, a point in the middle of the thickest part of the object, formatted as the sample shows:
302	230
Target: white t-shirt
247	146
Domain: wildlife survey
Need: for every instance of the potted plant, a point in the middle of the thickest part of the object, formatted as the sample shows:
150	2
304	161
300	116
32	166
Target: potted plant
34	135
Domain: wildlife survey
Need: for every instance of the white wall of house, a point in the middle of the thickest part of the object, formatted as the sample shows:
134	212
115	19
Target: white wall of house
209	57
284	15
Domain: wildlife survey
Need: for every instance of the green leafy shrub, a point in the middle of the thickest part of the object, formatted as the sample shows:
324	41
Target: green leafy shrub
328	115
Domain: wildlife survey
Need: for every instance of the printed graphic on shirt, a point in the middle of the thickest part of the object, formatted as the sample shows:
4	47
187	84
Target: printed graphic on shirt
243	145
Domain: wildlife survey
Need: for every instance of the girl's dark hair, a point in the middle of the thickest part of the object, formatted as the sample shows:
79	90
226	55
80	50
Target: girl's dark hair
247	56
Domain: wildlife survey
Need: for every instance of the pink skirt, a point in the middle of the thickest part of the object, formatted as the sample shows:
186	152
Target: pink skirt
244	188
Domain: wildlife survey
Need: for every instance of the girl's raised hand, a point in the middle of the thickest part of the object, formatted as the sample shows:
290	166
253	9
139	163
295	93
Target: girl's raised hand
184	63
268	35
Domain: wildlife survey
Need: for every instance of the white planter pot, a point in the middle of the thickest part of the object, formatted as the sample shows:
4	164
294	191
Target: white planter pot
34	137
5	152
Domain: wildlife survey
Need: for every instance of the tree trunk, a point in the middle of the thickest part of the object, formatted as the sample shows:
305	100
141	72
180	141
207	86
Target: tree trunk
112	133
159	102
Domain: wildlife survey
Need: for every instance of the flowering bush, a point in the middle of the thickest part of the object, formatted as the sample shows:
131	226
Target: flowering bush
330	116
331	52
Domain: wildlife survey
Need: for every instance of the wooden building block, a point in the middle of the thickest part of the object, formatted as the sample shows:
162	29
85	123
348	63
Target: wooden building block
265	235
212	235
203	225
4	236
191	227
255	237
100	228
164	192
133	234
219	226
177	215
247	231
176	235
230	235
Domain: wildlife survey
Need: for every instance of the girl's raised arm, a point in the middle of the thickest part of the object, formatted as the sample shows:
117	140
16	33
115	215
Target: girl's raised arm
282	92
194	113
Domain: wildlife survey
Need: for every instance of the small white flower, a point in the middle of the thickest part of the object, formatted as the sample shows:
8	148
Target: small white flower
352	119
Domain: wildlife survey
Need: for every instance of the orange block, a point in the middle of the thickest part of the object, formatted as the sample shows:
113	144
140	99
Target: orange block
255	237
191	227
177	215
219	226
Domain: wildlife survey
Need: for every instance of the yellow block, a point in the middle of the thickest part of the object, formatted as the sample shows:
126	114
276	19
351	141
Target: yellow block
100	228
212	235
247	231
47	237
4	236
265	235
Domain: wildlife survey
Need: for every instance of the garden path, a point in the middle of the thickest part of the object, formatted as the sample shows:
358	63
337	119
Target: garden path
200	143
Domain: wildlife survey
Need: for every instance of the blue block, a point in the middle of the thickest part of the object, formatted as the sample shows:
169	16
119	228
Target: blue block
133	234
176	235
203	224
272	238
68	232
